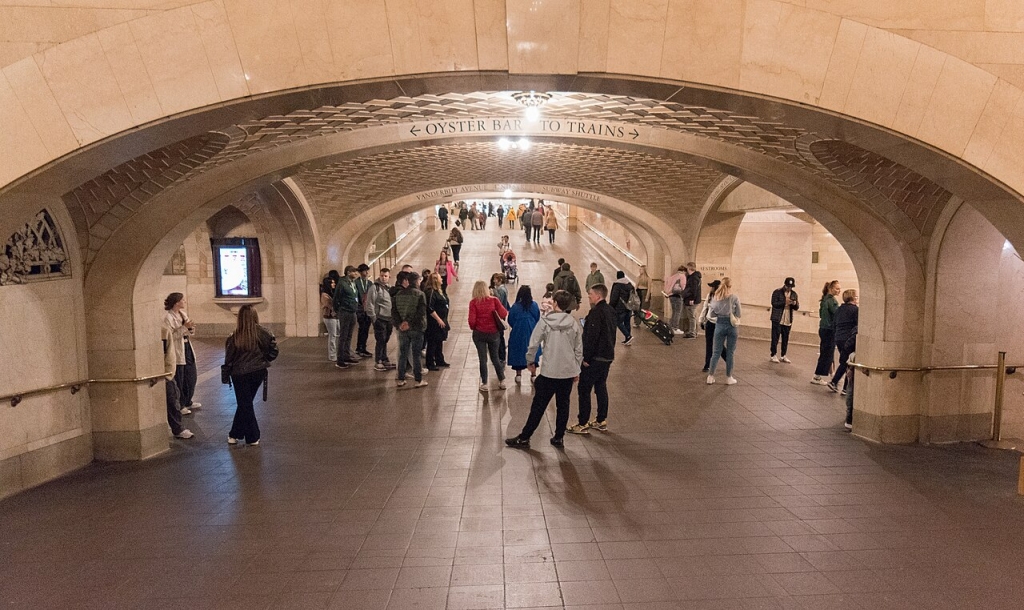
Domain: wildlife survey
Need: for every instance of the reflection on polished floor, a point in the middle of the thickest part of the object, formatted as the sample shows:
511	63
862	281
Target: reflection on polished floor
366	496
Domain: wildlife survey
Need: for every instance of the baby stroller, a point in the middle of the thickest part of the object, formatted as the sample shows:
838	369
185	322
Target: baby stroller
508	266
657	326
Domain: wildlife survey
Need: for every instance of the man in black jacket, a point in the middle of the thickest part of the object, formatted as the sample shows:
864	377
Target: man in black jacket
598	353
784	303
691	300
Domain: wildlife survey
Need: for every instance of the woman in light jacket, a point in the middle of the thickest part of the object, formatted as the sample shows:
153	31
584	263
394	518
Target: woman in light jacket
248	353
725	306
551	224
330	317
178	325
483	311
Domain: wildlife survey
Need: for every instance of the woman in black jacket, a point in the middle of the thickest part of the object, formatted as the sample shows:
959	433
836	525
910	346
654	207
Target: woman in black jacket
845	325
437	323
248	353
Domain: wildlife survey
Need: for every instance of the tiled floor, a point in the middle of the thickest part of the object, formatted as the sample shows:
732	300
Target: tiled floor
365	496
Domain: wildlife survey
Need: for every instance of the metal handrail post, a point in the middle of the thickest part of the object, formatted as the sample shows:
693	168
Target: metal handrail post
997	411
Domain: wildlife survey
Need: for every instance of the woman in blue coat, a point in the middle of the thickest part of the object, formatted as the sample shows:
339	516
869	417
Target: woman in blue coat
522	317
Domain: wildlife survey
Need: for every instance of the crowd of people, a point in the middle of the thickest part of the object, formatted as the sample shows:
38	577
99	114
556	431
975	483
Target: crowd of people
533	218
543	336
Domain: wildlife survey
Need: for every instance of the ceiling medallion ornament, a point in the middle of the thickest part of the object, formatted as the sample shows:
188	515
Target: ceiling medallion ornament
531	99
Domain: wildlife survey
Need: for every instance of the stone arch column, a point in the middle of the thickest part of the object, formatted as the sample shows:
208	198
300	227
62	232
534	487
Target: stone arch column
129	422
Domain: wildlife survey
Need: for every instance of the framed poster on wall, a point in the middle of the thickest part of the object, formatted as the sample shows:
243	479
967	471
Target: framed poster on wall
236	266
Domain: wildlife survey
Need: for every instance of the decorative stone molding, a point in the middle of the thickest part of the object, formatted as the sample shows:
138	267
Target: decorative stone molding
35	253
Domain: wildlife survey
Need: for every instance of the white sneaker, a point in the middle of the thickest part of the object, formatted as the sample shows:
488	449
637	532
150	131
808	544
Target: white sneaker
186	411
730	381
232	441
786	360
421	384
186	433
501	384
484	388
196	405
775	359
679	331
519	378
711	380
818	380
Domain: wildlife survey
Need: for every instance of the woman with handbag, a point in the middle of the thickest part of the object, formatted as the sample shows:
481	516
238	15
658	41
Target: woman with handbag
248	353
486	319
725	307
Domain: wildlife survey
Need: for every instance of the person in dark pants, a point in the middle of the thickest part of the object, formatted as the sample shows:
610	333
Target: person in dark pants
622	290
561	339
409	315
598	354
485	313
248	353
845	324
190	375
437	323
826	335
378	307
442	215
851	376
171	389
345	306
708	322
784	303
363	321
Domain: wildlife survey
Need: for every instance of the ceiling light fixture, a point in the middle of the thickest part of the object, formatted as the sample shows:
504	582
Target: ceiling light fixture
507	193
523	144
531	99
504	144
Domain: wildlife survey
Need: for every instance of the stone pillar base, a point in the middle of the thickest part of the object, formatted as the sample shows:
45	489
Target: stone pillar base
125	445
36	467
906	429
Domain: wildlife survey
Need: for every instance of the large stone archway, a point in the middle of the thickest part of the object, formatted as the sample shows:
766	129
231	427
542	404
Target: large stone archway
155	141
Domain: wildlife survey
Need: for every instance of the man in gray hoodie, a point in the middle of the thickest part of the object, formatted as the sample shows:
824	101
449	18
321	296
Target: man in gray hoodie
560	336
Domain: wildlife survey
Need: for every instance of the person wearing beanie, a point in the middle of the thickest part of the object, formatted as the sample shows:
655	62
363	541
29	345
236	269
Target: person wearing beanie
784	303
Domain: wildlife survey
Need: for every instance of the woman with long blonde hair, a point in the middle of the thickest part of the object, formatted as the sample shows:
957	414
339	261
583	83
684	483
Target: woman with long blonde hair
725	307
485	314
248	353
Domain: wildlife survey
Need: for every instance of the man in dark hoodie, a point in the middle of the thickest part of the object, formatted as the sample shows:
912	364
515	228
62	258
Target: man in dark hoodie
622	289
598	353
691	300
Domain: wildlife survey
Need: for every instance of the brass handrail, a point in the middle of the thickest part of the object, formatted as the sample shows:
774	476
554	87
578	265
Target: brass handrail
76	386
1001	368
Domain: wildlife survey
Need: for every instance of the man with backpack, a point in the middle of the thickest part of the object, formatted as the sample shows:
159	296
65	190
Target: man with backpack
566	280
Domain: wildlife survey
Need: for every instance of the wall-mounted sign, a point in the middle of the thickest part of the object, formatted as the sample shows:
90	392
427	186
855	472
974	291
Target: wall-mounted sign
515	126
236	263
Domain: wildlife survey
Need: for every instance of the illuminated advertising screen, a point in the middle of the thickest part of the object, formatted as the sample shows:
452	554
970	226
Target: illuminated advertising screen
236	263
234	272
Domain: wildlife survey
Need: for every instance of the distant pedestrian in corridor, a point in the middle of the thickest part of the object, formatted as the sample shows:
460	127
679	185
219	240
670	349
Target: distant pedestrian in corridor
442	215
558	269
362	284
537	220
455	243
551	224
526	222
561	338
785	303
566	280
595	277
486	316
643	288
522	318
845	324
598	354
725	306
445	270
826	334
248	353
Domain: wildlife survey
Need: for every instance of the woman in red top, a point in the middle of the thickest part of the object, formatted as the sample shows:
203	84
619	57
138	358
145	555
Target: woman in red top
484	312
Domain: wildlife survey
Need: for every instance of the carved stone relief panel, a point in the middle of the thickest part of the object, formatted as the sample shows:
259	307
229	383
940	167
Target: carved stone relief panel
34	253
